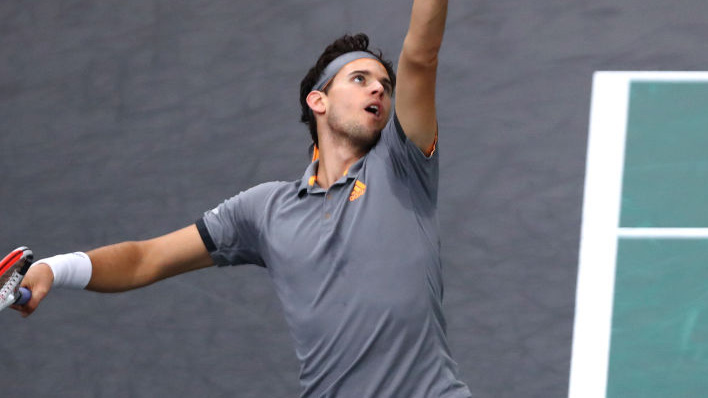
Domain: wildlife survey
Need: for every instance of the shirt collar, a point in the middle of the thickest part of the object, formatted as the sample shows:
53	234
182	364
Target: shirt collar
308	182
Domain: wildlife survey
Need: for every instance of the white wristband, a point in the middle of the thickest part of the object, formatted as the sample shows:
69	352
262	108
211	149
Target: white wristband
72	270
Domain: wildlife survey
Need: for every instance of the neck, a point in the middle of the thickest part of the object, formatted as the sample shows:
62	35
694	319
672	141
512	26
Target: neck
335	161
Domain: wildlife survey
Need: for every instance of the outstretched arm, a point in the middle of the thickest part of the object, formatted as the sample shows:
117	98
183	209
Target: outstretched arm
128	265
417	68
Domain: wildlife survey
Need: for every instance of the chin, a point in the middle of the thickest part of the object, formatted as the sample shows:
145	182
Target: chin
369	141
361	136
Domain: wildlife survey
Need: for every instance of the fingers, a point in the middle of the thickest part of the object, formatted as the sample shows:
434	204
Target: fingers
29	307
38	280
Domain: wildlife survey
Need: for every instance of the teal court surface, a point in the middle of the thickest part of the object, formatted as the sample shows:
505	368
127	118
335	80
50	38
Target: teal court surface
641	319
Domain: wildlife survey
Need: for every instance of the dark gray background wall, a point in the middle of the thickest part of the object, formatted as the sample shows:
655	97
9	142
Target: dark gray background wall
123	120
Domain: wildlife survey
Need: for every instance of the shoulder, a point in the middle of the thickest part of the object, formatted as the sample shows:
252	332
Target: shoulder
251	199
394	137
266	193
269	188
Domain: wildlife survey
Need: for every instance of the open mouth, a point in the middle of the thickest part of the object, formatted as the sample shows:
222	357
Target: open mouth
373	109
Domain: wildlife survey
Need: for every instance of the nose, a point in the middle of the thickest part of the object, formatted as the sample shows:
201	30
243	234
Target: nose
377	88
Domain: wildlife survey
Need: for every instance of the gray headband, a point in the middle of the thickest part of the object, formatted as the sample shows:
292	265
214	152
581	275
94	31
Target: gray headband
337	64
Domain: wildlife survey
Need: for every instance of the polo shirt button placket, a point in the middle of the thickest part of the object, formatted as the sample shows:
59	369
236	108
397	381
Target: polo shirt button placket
329	204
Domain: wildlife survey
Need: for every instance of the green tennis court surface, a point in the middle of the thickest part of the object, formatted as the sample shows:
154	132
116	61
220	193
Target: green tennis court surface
641	327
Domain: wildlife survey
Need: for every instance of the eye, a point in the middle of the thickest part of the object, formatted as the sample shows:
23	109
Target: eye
359	79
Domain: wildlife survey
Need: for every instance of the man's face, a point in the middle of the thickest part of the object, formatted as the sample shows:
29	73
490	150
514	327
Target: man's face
359	102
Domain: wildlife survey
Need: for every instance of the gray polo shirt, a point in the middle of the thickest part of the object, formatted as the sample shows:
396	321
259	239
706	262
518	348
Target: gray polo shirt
357	269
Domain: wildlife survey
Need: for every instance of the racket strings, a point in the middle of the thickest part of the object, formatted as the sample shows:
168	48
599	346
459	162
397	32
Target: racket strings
9	287
10	279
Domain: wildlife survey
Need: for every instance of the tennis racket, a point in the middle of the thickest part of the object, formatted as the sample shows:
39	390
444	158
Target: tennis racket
12	269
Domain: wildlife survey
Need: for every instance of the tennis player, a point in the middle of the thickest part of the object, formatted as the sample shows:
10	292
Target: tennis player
352	247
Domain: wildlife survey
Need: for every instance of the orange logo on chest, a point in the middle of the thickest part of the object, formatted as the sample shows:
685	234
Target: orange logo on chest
357	191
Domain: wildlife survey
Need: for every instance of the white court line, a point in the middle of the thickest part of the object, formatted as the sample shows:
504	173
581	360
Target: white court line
600	232
598	242
665	233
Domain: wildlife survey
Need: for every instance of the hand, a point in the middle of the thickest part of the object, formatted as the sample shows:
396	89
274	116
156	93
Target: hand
38	280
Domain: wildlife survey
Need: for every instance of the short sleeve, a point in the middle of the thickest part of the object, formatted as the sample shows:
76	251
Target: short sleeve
231	231
421	172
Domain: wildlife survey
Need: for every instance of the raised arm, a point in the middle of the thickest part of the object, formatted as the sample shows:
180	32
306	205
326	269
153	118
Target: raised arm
417	68
128	265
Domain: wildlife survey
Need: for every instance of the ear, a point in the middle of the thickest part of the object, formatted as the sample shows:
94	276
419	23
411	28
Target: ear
316	101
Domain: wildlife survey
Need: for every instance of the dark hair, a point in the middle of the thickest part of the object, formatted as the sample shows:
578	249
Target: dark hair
344	44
